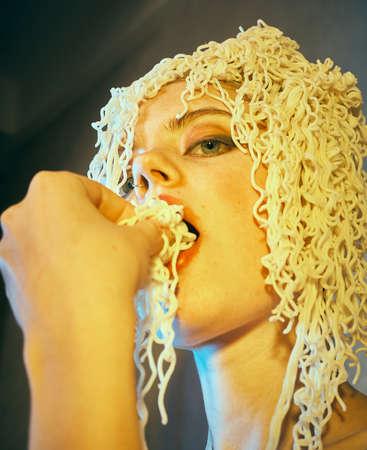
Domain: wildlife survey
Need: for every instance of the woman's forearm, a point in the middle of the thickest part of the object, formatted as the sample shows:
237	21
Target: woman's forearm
83	393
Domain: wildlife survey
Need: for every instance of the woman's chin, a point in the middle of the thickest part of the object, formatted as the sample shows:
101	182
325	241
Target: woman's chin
184	339
190	338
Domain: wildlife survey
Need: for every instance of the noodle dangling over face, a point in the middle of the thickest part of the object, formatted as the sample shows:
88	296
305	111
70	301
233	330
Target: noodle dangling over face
156	304
303	122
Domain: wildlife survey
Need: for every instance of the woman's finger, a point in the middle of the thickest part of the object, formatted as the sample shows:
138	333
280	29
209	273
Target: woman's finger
151	236
116	209
113	207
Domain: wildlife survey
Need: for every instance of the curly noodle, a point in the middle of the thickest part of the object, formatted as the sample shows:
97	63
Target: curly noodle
304	123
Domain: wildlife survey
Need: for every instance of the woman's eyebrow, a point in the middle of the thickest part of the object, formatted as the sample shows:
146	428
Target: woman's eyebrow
175	124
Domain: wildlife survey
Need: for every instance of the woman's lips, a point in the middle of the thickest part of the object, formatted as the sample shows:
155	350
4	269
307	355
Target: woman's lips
185	256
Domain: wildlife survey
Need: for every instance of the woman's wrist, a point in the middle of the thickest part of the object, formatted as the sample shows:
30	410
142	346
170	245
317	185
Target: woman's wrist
82	380
82	391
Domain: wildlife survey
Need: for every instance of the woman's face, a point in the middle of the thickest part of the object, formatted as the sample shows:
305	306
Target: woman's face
221	287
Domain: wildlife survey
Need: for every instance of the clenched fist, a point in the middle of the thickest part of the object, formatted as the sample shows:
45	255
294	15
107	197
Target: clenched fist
61	243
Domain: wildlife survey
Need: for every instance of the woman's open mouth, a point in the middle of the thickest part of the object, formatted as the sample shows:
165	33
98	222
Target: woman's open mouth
185	256
191	228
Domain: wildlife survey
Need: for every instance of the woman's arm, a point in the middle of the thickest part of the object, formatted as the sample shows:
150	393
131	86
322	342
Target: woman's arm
83	389
71	274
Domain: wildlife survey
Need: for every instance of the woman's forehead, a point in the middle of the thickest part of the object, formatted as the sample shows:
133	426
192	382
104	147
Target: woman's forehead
169	99
167	104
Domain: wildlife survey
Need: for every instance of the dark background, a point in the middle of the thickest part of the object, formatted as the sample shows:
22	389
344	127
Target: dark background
58	60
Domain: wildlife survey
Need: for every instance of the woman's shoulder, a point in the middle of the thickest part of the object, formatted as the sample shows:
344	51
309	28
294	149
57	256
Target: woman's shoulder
348	429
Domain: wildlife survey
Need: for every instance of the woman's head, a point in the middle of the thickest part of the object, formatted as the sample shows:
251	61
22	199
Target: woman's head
299	137
194	160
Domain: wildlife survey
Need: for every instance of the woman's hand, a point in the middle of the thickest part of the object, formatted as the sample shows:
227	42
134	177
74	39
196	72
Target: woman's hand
62	242
71	274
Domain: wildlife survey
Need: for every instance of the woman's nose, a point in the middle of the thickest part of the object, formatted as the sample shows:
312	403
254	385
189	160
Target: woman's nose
152	170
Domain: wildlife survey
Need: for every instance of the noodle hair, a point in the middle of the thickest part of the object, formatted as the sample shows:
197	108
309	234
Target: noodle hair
304	122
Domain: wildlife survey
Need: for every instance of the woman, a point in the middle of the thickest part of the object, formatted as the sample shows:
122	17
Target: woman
263	149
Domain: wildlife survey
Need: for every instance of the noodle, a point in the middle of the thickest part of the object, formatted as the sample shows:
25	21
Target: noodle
305	124
156	304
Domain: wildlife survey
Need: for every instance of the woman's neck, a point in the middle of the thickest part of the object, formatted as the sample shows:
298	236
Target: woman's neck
241	375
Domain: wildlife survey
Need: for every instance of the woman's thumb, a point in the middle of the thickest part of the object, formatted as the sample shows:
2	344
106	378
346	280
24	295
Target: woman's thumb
150	235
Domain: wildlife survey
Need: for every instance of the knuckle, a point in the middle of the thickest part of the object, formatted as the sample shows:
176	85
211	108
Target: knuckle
41	175
9	220
37	184
47	178
7	216
40	178
45	182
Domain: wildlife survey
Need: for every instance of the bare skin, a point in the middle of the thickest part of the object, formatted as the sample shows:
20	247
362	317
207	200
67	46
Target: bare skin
241	357
71	274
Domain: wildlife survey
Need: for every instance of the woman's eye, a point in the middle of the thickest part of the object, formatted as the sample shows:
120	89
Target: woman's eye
127	187
212	146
